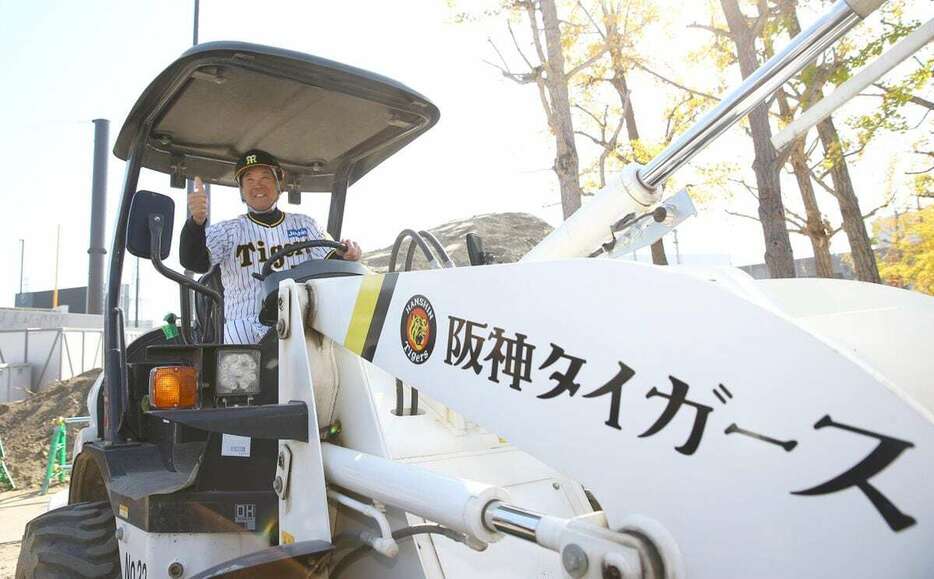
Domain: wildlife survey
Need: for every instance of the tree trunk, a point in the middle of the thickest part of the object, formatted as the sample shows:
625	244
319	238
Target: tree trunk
814	227
632	131
816	231
864	260
778	254
566	165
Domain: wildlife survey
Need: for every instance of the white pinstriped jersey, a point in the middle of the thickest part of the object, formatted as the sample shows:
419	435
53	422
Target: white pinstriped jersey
241	246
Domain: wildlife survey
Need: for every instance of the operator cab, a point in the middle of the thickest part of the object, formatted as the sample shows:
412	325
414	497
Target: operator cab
329	124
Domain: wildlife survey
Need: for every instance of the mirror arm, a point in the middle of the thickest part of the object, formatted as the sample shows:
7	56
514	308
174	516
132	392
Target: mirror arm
184	298
156	225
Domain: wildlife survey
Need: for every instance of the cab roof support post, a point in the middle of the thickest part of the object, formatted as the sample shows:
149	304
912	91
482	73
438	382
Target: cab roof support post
114	340
338	199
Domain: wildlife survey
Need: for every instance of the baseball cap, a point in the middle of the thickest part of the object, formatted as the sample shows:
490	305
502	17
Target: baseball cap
257	158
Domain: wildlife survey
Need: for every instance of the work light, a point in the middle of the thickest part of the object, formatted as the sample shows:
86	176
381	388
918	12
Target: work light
238	373
173	387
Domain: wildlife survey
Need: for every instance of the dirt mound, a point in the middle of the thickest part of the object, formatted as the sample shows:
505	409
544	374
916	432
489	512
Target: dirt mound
26	426
508	236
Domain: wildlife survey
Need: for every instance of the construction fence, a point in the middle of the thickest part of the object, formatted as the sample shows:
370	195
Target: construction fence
32	358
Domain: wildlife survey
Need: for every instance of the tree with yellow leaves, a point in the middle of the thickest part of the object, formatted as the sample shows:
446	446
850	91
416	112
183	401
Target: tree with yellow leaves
906	243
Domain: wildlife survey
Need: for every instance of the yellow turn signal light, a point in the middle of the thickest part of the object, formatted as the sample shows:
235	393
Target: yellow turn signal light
173	387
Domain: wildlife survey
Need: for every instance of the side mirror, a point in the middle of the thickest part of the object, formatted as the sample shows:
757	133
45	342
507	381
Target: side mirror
138	239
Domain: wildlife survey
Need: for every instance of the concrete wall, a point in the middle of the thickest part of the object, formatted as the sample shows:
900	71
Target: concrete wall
804	267
20	318
56	353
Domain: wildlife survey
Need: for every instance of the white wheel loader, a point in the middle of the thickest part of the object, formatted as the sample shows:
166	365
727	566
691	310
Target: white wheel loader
563	416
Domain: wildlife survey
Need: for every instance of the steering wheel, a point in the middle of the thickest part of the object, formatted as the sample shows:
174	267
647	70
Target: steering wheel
267	267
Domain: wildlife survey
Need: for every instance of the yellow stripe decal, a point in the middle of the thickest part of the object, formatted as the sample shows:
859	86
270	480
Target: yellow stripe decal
363	313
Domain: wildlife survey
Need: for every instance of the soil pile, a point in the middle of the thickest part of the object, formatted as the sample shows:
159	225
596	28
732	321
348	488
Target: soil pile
26	426
508	236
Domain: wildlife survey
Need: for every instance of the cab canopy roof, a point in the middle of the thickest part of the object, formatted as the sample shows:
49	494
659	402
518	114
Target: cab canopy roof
328	124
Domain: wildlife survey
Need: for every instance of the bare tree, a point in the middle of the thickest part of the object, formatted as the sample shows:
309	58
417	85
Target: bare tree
613	36
551	78
743	32
864	260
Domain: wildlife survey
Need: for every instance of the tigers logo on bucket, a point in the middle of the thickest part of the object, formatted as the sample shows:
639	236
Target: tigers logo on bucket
418	329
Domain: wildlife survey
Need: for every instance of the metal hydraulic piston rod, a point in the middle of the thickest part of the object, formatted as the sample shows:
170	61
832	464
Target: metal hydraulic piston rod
801	50
588	548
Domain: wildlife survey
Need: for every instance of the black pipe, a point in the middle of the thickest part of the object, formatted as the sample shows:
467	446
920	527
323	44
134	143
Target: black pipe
400	394
95	299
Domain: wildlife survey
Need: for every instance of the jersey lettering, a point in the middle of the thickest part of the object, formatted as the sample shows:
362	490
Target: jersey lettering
244	254
240	247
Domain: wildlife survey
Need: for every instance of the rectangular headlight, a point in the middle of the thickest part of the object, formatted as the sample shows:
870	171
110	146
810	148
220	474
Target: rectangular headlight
238	372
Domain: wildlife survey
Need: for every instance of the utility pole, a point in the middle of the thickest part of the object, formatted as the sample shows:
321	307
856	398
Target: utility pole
194	36
58	246
22	255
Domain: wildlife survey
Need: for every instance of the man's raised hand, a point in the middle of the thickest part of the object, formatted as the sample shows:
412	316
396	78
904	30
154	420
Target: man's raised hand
198	202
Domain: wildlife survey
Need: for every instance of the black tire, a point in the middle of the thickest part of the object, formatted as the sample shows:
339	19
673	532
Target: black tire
73	541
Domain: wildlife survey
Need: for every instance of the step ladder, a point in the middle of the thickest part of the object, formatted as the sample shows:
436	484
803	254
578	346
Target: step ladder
58	466
5	477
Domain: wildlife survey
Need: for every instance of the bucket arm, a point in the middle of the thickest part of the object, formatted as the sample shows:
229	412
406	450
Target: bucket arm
669	397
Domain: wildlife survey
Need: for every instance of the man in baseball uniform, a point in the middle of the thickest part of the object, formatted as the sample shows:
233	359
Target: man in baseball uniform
240	246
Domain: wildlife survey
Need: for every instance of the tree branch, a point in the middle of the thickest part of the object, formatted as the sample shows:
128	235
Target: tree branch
515	42
595	140
586	63
714	29
536	39
912	99
735	214
642	67
592	21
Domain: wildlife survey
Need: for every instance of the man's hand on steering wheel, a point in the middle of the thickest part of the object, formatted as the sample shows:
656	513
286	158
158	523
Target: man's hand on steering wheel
348	250
353	252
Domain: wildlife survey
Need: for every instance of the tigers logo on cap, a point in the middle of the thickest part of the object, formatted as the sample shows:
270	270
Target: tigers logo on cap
257	158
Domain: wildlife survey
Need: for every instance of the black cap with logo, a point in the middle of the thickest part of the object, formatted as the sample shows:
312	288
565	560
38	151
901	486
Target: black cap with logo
257	158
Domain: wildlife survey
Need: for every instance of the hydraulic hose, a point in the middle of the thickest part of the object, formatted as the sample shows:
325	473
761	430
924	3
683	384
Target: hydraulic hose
400	534
415	239
433	241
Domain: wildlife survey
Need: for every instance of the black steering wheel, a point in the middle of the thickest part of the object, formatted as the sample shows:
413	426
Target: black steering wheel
267	267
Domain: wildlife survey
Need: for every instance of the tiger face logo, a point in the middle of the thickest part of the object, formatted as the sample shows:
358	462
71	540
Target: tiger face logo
418	329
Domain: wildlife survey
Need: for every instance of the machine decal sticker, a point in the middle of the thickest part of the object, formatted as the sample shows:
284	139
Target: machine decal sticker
233	445
123	512
369	314
134	569
418	329
246	516
858	476
506	356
